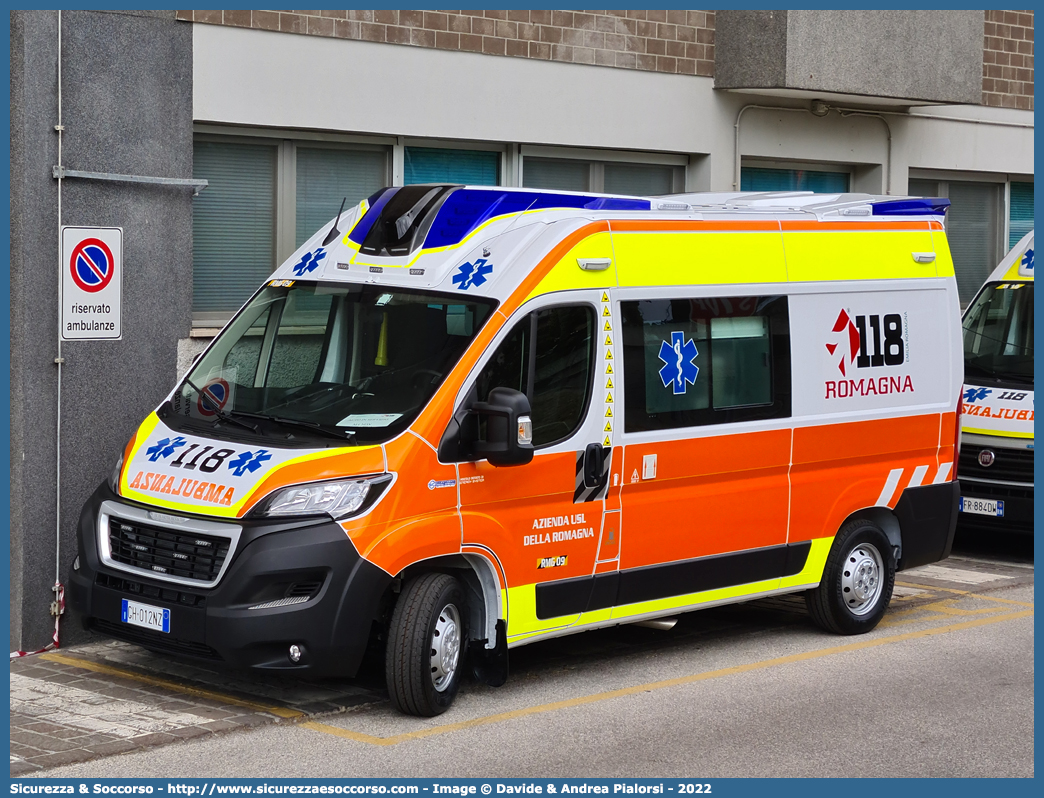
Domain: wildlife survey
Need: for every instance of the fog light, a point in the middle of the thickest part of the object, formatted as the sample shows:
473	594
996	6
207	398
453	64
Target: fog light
295	653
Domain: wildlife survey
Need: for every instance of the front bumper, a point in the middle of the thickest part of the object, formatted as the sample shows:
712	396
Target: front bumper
332	627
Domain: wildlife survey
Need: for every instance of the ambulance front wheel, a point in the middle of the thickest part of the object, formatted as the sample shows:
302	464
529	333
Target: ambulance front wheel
424	656
857	581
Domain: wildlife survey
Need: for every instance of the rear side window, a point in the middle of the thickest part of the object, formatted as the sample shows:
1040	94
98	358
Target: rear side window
691	362
548	356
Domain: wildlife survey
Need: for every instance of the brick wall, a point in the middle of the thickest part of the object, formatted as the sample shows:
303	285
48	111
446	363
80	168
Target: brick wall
660	41
1007	59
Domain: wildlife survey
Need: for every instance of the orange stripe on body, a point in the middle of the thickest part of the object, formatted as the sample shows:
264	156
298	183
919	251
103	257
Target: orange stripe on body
833	227
840	468
413	521
357	463
692	225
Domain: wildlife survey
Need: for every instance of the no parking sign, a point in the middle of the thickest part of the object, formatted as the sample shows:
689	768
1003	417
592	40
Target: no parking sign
92	283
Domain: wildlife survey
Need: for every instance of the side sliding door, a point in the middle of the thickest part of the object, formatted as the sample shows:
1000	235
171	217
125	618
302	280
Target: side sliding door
707	447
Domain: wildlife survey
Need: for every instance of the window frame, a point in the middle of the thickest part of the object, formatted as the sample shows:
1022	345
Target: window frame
207	324
402	142
597	159
633	365
470	393
804	166
943	178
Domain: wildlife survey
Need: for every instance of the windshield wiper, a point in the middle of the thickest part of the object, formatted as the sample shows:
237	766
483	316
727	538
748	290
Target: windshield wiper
224	415
310	425
1015	376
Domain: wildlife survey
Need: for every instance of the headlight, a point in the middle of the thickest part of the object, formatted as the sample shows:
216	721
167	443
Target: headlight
338	499
114	477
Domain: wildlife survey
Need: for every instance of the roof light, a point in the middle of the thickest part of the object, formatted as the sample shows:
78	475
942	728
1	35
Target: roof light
911	206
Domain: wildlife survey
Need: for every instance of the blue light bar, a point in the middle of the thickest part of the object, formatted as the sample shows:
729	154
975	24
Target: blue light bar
465	209
914	206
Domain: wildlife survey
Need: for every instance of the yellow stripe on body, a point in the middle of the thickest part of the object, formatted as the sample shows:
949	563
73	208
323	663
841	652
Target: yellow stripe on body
698	258
140	437
857	255
814	565
566	275
144	433
694	600
1012	275
529	625
523	622
998	433
943	258
810	574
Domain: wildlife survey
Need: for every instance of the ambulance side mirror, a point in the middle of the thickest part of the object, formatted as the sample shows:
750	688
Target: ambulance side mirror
509	428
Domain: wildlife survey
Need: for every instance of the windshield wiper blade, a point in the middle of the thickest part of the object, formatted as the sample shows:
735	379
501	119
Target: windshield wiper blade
223	415
310	425
1014	376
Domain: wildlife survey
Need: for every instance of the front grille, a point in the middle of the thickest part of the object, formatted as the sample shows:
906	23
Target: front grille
154	640
986	490
167	552
1009	465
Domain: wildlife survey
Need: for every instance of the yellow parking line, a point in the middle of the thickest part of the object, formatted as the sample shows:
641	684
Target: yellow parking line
967	593
645	688
942	607
198	692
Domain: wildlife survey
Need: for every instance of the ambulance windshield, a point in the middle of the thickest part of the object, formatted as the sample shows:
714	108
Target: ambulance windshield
998	335
327	361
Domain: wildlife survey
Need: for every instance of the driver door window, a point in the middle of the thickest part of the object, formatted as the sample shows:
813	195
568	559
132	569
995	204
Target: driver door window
549	357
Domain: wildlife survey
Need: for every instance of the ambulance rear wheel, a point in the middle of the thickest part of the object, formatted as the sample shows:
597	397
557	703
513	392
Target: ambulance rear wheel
857	582
424	656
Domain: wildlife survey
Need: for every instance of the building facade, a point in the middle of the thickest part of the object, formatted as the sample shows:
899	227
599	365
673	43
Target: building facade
287	113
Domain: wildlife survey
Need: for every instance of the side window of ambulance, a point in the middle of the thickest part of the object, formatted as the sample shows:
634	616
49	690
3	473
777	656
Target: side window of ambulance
554	372
691	362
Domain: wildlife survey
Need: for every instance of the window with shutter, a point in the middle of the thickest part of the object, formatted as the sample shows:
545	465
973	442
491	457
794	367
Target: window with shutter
327	176
1020	212
233	226
467	167
756	178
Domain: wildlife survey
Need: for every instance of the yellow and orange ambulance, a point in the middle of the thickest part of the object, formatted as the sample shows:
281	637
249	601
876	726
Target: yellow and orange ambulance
996	463
464	419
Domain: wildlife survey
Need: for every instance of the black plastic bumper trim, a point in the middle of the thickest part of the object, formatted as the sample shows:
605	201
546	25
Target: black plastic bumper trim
927	520
589	593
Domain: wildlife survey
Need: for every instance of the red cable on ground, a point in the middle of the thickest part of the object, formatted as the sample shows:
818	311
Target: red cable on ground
58	588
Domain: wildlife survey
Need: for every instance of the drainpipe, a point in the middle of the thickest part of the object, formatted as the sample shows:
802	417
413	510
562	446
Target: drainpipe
846	112
823	109
736	147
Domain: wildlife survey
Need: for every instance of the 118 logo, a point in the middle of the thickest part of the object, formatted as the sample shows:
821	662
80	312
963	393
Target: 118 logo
873	340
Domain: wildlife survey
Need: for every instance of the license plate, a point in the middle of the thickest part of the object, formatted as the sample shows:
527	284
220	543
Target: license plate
146	616
992	507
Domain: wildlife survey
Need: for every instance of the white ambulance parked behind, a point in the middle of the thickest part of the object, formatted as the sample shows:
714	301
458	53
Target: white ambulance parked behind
996	461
